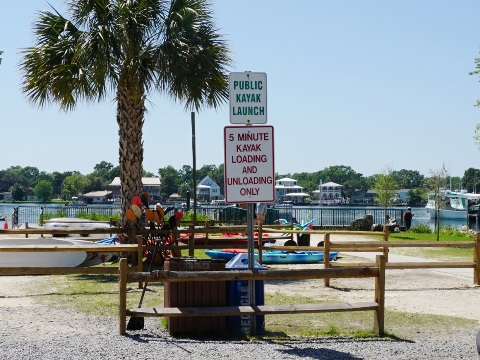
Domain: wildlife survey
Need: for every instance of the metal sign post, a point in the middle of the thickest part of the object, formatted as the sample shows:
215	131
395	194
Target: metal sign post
251	263
249	156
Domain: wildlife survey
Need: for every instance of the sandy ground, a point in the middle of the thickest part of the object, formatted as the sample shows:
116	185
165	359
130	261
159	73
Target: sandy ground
438	292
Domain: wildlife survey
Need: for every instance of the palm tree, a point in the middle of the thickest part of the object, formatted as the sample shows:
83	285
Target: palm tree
132	47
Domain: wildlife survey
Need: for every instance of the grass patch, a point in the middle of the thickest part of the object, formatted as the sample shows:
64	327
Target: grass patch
438	253
356	324
98	295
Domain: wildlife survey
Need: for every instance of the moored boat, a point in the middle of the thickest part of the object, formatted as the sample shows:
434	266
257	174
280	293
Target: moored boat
453	204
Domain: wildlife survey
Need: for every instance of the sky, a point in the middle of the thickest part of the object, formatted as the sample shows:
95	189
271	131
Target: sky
374	85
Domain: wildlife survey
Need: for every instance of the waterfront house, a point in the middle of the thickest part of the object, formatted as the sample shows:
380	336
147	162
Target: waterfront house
208	190
329	193
287	189
363	197
7	195
149	184
98	197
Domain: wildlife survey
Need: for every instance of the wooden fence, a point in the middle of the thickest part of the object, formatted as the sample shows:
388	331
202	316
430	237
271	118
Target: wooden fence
201	237
377	305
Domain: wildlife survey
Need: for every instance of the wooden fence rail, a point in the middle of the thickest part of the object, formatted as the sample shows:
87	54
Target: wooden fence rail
104	270
218	242
378	305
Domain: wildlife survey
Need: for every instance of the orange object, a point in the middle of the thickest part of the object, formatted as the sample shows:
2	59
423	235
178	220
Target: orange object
131	215
5	224
149	215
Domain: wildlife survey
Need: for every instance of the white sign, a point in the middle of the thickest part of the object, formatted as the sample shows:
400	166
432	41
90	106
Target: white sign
248	98
249	164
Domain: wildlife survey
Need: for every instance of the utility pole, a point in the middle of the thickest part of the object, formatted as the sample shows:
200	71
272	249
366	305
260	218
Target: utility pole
194	171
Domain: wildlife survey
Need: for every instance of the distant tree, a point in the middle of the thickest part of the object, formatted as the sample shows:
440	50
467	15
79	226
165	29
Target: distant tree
57	182
103	165
345	176
102	175
169	181
408	179
75	184
386	189
184	188
1	52
186	173
205	170
309	181
95	183
470	180
218	175
43	190
455	183
18	192
415	197
436	183
186	181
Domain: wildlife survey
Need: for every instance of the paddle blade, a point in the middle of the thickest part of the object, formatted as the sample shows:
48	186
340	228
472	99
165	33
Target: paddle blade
130	215
136	323
156	217
149	215
160	210
136	210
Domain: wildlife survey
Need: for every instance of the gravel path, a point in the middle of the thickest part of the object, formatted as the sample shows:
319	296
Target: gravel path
30	330
68	335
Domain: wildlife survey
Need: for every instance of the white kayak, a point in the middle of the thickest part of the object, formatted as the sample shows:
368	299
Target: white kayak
40	259
74	224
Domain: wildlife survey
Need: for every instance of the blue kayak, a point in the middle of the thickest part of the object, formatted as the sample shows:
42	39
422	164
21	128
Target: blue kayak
276	257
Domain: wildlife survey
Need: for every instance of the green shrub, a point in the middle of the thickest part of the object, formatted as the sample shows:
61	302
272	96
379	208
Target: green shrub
421	229
188	216
450	230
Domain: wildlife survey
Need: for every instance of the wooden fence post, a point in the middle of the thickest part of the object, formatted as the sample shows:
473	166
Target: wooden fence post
476	259
260	242
122	293
385	238
140	257
191	239
326	256
379	316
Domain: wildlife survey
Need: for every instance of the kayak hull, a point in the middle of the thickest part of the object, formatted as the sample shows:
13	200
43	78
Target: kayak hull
276	257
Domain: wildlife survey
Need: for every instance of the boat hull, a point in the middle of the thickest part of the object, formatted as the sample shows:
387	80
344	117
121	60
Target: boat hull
277	257
40	259
448	214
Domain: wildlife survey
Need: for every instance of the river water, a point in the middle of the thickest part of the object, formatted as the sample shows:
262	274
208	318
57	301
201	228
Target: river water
30	212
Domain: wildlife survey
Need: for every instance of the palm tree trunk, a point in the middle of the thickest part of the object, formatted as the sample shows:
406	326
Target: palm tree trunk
130	117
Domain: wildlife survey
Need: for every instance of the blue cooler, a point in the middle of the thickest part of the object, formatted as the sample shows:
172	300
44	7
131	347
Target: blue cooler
238	295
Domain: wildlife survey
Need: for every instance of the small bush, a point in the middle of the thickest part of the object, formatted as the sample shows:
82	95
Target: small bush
421	229
450	230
